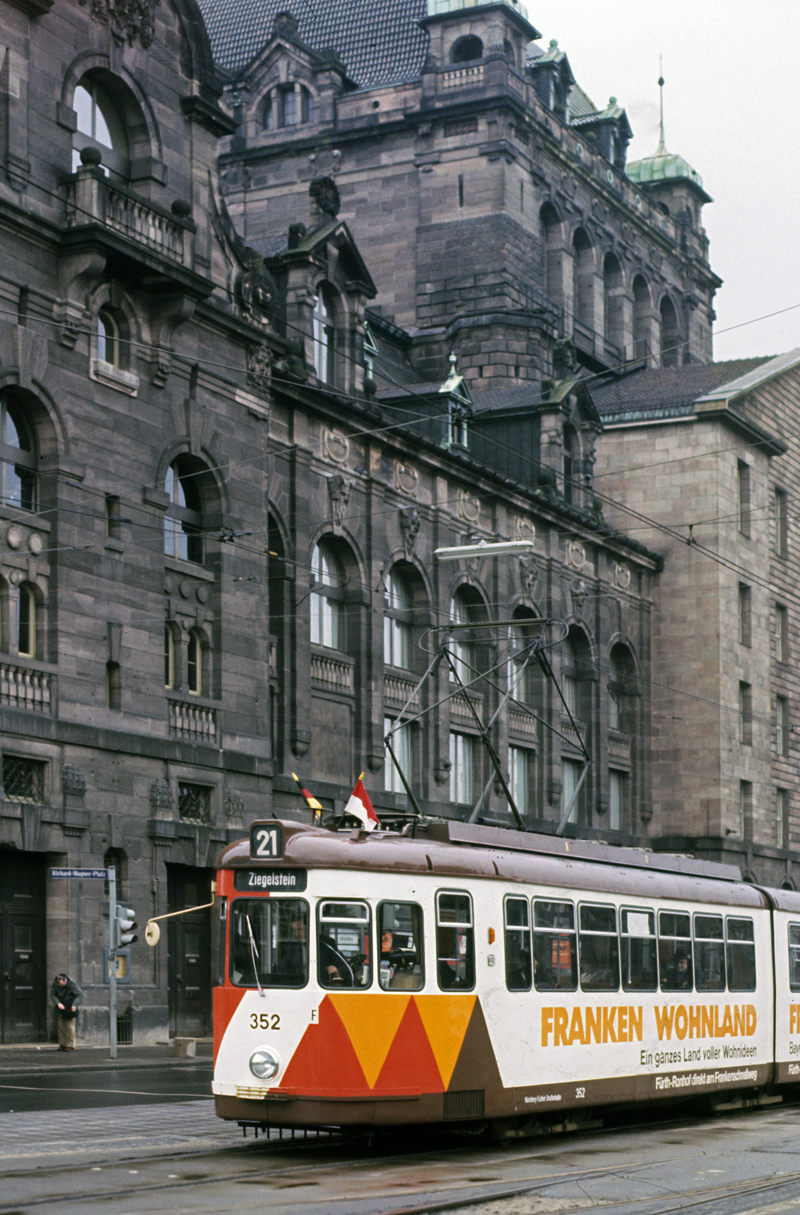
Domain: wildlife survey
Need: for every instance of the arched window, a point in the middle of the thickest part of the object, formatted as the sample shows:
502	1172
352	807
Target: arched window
17	459
671	352
463	614
641	312
574	662
328	615
324	335
613	301
398	622
583	280
183	523
553	253
194	663
287	106
108	346
26	622
466	49
620	671
517	673
100	126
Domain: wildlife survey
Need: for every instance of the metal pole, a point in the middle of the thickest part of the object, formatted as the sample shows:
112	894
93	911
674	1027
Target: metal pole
112	962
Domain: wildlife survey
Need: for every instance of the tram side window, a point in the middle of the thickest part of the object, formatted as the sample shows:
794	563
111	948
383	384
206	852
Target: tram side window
343	944
400	933
555	950
269	942
675	950
517	945
709	953
638	941
794	957
740	954
455	941
599	948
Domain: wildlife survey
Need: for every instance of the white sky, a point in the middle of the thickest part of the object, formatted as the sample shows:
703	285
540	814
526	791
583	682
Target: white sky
732	73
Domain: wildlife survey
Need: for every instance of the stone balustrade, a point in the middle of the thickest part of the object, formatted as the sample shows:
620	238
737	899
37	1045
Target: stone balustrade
188	719
332	672
25	688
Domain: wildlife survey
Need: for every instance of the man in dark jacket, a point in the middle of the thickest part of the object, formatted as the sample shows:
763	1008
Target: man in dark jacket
65	996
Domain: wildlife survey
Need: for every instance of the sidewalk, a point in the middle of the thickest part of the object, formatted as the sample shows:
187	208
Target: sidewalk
45	1056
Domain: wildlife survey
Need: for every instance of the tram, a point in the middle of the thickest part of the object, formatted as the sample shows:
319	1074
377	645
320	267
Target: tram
454	973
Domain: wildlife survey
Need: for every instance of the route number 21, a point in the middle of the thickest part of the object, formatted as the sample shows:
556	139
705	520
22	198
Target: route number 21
265	840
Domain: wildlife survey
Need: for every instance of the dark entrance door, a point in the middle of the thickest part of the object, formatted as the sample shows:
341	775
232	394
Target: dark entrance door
189	952
23	982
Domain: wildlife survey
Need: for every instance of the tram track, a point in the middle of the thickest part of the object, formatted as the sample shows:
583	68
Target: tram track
311	1173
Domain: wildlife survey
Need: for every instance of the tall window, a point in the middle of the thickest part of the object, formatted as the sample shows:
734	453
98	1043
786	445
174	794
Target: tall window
169	657
462	768
617	792
108	347
745	615
457	426
398	622
194	664
183	522
327	603
746	809
401	745
746	714
616	691
521	777
17	459
781	725
324	335
570	775
26	622
671	352
781	524
743	476
462	644
570	676
570	454
100	126
781	633
516	672
782	818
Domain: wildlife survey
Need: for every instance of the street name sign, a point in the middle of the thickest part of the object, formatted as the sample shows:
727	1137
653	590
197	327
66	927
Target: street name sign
78	873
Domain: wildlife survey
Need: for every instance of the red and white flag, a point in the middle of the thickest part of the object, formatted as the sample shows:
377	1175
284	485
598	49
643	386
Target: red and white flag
361	807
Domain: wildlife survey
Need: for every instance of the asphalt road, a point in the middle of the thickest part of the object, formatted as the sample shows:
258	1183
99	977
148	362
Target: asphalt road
91	1088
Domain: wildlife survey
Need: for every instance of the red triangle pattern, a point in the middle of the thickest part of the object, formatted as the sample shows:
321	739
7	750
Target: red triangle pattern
325	1062
410	1066
226	1001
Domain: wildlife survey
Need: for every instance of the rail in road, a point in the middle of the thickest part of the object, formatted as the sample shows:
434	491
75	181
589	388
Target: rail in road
154	1158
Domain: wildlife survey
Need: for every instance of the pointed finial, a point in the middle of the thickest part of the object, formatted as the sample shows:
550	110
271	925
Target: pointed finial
662	147
453	361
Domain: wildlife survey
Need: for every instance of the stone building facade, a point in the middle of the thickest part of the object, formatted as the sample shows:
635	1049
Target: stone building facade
709	453
491	198
133	452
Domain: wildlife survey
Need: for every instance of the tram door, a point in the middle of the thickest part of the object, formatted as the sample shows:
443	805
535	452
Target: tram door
189	952
23	981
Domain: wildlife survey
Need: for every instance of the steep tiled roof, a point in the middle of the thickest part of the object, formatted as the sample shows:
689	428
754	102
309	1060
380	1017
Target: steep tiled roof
665	392
379	41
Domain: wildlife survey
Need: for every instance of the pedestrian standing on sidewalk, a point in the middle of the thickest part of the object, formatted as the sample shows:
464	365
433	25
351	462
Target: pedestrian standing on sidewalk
65	996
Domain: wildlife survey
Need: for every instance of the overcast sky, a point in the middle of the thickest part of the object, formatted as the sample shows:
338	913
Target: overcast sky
732	73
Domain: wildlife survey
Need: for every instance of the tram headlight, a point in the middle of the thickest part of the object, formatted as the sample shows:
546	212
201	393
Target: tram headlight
265	1063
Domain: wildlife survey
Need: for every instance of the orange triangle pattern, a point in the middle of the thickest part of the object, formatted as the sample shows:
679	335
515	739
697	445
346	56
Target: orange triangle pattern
370	1044
410	1065
325	1061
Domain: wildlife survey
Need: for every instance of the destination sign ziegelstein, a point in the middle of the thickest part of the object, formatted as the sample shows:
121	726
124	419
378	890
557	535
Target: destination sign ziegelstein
78	873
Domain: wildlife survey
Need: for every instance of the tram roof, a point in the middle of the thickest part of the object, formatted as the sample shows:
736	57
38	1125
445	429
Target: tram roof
457	849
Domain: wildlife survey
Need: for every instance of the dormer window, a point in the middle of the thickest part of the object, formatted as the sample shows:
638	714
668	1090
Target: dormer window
458	432
324	335
288	105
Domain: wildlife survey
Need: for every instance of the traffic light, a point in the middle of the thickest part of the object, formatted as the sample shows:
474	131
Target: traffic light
125	927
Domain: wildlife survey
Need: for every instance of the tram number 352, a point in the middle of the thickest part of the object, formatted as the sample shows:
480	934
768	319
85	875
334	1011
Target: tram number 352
265	840
580	1092
265	1021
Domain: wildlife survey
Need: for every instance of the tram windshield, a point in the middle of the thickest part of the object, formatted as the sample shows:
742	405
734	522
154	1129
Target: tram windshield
269	942
343	944
794	957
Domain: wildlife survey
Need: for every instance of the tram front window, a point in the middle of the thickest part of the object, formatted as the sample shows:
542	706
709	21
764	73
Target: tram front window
400	934
794	957
343	944
269	942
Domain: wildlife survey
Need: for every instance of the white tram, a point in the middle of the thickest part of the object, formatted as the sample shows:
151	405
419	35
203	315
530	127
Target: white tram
468	972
